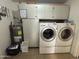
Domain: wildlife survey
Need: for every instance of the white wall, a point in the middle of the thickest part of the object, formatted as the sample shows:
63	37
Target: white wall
4	32
4	25
74	15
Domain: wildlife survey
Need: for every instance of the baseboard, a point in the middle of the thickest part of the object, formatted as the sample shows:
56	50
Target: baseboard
3	56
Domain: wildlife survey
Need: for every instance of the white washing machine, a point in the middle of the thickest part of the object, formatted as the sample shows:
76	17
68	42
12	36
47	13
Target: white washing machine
47	35
65	37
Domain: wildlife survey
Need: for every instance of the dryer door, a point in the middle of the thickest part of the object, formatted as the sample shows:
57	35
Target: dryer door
48	34
66	34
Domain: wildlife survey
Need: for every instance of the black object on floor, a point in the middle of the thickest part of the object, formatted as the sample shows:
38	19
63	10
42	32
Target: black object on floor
13	50
16	35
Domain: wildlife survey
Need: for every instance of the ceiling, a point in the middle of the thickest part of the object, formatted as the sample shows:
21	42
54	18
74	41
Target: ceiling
41	1
27	1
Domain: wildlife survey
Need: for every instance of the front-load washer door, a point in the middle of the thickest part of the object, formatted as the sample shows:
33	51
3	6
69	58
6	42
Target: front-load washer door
66	34
48	34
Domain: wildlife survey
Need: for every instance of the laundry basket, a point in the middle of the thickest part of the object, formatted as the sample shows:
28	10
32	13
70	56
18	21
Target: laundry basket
24	46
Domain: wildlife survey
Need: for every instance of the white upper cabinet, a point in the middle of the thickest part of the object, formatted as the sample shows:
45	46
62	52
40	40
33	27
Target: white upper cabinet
44	11
61	12
31	11
53	11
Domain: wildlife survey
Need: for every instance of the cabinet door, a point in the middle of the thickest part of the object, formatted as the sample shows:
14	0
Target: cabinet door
30	27
61	12
31	11
44	11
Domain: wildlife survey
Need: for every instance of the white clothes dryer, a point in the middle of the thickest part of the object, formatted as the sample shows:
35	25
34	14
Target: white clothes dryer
65	37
